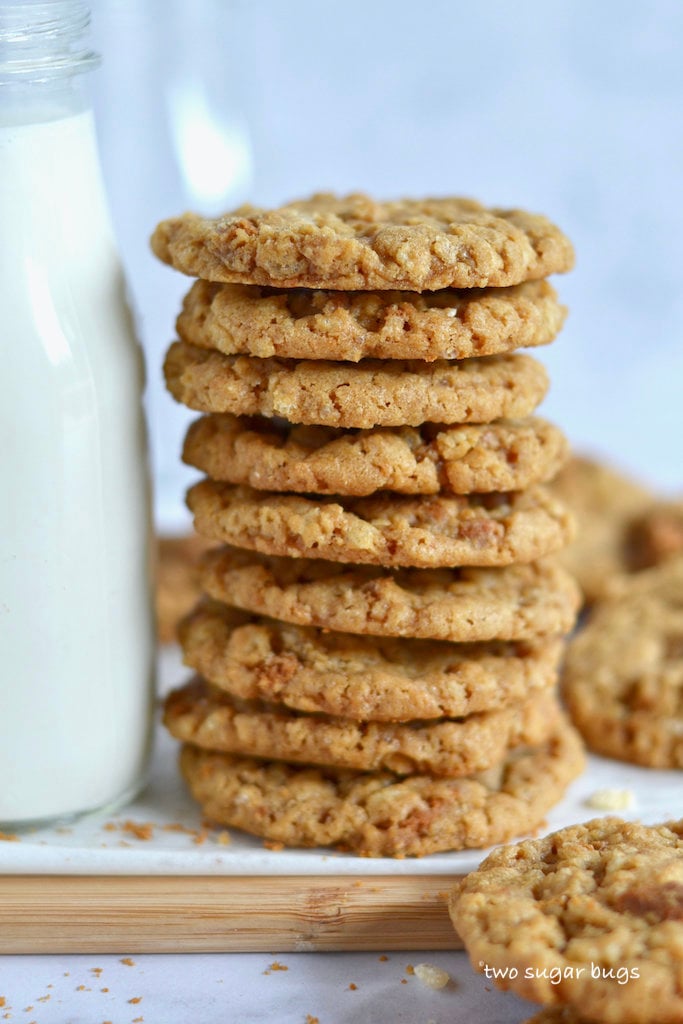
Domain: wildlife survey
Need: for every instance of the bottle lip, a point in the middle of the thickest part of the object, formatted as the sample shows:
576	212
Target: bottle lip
43	39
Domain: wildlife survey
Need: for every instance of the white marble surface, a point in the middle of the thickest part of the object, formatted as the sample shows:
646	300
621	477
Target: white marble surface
232	988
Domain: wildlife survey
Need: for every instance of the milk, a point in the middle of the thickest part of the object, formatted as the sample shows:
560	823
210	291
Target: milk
76	636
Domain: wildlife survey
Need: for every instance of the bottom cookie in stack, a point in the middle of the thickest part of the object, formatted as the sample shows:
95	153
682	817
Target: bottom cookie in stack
379	813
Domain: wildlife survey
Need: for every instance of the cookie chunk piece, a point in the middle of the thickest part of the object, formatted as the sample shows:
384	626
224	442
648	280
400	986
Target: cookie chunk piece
208	717
357	243
623	675
387	529
297	323
368	679
519	602
369	394
378	814
274	455
590	917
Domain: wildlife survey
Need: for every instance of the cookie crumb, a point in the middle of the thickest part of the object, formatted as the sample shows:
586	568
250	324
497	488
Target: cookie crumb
97	971
410	969
352	987
140	830
383	958
277	966
104	990
127	961
273	845
135	999
3	1001
43	999
310	1019
610	799
431	976
9	837
138	1020
404	981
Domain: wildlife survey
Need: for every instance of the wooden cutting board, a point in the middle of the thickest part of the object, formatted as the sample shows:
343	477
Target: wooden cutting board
190	914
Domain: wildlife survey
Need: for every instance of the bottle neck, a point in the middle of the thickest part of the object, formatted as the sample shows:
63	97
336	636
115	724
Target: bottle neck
43	54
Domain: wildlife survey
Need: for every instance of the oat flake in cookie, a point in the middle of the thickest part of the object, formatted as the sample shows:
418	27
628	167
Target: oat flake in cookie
354	242
600	903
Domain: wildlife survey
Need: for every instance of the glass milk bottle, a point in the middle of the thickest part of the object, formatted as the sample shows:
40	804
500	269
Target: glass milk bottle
76	626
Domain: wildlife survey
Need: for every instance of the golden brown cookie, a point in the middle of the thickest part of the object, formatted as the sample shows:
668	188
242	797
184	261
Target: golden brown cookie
590	917
297	323
379	814
605	504
274	455
177	581
623	677
369	679
353	242
519	602
208	717
369	394
386	529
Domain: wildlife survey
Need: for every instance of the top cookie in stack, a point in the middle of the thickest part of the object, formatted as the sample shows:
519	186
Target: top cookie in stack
375	469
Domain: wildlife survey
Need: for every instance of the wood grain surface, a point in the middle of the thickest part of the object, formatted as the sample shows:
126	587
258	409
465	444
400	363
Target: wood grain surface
189	914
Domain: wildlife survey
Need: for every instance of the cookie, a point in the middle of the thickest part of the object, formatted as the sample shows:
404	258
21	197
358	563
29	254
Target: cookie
354	242
208	717
177	581
599	905
605	503
370	394
274	455
367	679
623	677
387	529
520	602
379	814
301	324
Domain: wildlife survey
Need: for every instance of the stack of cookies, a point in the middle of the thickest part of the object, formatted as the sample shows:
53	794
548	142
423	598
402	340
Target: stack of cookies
378	647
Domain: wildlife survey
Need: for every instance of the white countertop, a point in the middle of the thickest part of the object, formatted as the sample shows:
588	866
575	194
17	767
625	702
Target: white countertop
232	988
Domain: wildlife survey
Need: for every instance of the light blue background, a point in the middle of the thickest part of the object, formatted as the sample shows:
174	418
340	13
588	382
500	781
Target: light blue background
573	109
